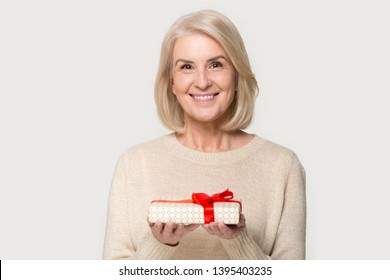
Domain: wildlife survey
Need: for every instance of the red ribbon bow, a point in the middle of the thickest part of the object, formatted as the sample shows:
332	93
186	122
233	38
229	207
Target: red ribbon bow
207	202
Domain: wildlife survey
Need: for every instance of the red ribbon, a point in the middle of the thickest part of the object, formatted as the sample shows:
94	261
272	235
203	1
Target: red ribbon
207	202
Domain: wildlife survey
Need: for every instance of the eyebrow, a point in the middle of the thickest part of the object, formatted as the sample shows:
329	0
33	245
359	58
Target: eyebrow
208	60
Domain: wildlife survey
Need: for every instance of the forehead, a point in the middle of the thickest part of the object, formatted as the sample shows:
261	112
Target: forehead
196	46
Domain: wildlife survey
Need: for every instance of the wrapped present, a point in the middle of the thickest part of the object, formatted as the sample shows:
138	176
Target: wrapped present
200	209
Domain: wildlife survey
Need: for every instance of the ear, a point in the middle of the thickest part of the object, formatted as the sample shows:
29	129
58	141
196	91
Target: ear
173	88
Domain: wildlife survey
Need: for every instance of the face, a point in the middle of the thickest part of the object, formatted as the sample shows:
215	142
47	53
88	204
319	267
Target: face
203	79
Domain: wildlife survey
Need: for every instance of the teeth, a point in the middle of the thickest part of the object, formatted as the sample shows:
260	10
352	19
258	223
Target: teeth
203	97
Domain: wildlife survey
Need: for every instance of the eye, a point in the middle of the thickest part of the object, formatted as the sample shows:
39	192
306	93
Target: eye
216	65
186	67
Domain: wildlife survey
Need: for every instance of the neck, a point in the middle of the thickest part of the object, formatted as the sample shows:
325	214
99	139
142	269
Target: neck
211	139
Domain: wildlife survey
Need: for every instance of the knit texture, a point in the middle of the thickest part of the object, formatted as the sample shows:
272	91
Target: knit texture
267	178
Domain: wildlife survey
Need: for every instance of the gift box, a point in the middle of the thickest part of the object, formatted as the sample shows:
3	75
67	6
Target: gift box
200	209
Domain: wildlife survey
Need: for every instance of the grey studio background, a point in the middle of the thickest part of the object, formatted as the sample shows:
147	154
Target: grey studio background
76	85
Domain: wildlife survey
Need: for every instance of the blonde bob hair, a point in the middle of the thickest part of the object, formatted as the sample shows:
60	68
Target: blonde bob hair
226	34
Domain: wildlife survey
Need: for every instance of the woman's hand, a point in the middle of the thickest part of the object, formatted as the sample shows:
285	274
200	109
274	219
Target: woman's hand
225	231
170	233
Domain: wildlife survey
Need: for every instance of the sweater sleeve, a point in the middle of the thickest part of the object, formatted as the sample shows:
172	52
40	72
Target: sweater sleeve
291	235
118	240
243	247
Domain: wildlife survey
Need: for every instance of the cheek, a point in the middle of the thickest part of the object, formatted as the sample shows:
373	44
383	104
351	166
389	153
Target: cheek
180	84
226	81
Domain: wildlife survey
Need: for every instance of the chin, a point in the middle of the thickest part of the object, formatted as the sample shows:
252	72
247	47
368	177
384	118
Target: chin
206	119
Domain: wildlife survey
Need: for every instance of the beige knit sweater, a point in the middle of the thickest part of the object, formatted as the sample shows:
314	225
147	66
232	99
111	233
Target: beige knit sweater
267	178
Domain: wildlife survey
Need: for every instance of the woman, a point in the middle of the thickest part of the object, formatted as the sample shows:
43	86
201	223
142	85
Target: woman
205	92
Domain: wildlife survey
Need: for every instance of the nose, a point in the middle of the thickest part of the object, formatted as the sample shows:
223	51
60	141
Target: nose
202	79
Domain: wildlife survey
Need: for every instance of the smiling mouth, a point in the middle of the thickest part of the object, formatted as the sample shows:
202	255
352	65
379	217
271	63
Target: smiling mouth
204	97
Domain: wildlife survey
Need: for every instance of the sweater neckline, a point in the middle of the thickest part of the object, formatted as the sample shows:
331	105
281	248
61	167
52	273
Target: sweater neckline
218	158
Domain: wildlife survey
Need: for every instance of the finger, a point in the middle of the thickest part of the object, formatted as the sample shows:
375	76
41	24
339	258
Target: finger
215	227
170	226
149	222
242	221
190	228
167	232
179	231
207	228
157	228
212	228
224	230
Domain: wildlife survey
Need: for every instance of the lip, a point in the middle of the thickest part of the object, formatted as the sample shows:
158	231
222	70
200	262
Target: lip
204	97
